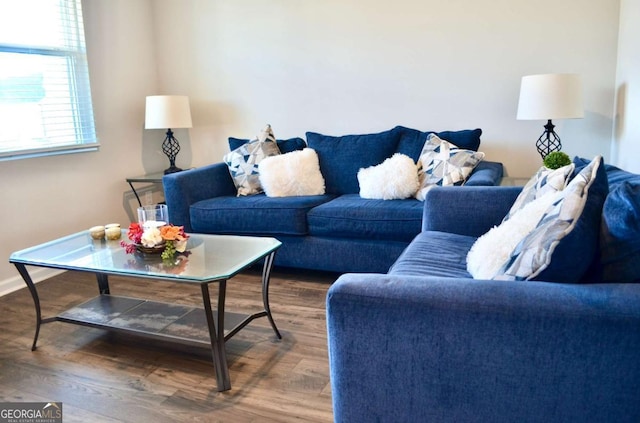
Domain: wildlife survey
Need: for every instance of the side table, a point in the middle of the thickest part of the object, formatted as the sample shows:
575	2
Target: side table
150	178
512	181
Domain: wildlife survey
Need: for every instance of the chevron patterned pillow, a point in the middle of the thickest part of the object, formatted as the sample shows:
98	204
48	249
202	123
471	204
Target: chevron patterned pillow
443	163
544	181
243	161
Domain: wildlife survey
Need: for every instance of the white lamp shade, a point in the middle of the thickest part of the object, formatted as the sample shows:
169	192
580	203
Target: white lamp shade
167	111
550	96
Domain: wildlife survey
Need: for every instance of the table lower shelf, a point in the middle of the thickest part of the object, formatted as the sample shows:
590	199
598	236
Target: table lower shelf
180	323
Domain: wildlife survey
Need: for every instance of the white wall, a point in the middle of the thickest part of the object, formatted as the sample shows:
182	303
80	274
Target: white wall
350	66
332	66
626	144
50	197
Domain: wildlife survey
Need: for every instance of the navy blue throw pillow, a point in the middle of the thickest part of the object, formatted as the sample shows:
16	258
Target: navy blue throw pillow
285	146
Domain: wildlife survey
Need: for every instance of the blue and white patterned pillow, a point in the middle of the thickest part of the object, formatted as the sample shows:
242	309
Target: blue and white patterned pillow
543	182
443	163
564	242
243	161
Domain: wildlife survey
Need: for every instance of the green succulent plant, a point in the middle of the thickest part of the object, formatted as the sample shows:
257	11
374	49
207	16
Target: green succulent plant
556	159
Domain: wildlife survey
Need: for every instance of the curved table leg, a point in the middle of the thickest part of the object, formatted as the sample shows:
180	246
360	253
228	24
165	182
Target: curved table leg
135	193
36	300
266	276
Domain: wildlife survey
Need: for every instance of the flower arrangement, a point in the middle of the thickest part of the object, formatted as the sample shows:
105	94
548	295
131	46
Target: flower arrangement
168	238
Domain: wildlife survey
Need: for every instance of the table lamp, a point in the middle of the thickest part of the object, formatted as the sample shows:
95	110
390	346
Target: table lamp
550	96
166	112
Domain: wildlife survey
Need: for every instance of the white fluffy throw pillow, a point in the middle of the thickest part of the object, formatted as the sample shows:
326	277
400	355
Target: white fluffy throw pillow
292	174
395	178
492	250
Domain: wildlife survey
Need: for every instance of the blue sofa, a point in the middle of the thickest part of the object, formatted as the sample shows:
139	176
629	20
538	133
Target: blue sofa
427	343
338	231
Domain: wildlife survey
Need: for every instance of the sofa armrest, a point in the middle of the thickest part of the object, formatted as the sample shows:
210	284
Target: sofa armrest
405	348
466	210
486	174
182	189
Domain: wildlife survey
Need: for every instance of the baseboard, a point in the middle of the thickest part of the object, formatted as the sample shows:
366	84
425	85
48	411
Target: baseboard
10	285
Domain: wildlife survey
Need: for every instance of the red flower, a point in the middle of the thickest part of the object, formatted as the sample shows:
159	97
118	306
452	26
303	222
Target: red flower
135	232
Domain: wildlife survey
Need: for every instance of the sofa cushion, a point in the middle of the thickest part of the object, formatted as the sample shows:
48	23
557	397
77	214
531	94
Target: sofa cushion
295	173
342	157
620	236
243	161
254	215
565	242
285	146
435	254
442	163
394	179
411	141
350	216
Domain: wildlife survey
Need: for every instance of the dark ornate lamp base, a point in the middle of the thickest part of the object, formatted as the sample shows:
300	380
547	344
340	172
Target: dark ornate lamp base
549	141
172	169
171	148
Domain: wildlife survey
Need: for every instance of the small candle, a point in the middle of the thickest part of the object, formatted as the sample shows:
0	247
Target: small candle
153	224
97	232
112	231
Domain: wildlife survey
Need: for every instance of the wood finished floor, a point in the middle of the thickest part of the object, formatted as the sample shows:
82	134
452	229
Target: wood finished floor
107	377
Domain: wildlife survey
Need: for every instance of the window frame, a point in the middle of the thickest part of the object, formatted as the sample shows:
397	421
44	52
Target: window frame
80	99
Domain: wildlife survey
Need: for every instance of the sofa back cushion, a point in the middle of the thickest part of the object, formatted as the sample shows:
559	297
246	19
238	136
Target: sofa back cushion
411	141
342	157
619	259
620	234
615	175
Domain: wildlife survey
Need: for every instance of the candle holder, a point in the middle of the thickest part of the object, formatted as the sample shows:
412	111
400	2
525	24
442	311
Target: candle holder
155	215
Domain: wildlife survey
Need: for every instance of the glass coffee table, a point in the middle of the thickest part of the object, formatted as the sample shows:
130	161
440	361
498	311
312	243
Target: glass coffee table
211	258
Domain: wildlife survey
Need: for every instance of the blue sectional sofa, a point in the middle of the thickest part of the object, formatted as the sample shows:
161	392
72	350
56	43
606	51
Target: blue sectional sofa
338	231
426	342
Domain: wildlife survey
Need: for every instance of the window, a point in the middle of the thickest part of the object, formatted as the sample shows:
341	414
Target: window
45	98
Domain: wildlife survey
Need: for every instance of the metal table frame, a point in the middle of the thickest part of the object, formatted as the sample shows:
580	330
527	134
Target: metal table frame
215	323
151	178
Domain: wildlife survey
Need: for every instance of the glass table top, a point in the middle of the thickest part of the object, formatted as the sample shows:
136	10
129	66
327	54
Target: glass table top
149	177
210	258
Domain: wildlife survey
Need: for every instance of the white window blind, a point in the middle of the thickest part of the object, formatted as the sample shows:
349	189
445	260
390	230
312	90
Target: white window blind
45	97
